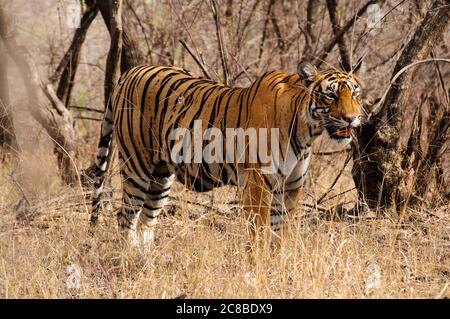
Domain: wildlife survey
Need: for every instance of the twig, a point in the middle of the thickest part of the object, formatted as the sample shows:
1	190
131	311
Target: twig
264	33
222	51
337	195
377	108
88	118
142	28
345	150
241	30
86	108
330	45
441	80
67	68
199	63
321	198
280	41
21	189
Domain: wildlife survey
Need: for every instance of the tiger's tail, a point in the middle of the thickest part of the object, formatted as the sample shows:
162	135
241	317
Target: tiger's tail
102	161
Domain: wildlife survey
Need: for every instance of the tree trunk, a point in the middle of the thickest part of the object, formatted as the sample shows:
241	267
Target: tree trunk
112	73
335	24
8	142
379	169
131	54
55	118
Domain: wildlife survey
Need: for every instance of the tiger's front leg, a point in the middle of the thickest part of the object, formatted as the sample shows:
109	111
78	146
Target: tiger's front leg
256	204
283	203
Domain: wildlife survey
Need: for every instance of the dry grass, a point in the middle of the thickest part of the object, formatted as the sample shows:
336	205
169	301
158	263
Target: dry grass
201	253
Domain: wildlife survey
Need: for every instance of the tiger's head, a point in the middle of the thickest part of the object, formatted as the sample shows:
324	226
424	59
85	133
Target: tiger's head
335	103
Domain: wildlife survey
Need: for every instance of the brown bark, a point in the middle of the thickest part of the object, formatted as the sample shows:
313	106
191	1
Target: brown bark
335	24
131	53
112	72
55	118
123	54
380	150
8	141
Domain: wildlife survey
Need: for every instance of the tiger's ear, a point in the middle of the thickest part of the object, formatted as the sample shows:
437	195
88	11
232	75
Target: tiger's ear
307	71
356	68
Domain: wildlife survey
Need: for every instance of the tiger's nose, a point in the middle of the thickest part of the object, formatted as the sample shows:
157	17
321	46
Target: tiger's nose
351	120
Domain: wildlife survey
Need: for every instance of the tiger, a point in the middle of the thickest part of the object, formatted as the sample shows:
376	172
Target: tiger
149	103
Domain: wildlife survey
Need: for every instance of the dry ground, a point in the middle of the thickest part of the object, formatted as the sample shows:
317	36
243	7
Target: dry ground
200	252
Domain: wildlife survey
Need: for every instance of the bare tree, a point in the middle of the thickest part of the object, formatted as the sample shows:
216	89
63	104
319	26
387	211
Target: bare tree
131	53
339	32
67	68
43	103
124	47
383	170
8	141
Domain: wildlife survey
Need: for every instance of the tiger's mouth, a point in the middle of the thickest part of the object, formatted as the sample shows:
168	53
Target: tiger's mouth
339	132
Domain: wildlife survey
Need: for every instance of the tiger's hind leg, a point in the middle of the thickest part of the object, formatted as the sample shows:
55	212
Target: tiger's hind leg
156	198
133	200
255	204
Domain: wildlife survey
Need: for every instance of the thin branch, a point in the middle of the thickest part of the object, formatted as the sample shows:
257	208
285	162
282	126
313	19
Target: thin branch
264	33
67	68
337	195
441	80
147	42
330	45
88	118
280	41
379	106
219	36
321	198
345	150
86	108
199	63
241	30
345	57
